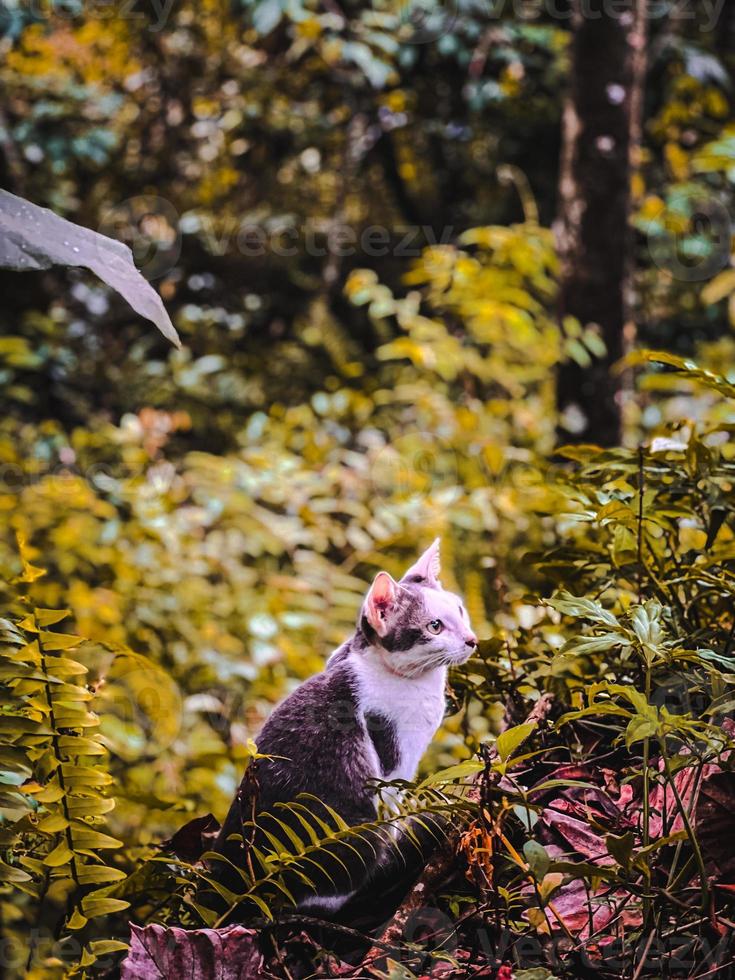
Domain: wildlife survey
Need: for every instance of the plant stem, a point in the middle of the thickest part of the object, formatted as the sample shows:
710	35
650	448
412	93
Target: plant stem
646	798
687	826
60	757
639	542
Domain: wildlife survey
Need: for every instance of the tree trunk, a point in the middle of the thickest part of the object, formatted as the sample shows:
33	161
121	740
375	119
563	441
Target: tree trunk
600	141
725	33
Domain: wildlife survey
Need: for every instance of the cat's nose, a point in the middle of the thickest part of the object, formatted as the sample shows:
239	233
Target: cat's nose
471	640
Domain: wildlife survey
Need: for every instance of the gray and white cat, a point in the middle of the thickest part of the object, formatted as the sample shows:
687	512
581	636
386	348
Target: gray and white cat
369	715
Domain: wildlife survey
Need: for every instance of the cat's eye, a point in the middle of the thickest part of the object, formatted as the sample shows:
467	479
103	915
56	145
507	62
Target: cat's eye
435	626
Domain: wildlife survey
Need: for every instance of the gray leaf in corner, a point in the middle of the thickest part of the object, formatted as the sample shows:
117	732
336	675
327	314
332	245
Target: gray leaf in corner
32	237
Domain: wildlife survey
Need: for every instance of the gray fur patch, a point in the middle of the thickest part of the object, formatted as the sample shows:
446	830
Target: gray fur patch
383	735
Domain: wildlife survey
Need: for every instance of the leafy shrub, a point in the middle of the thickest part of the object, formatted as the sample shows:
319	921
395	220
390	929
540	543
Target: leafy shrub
626	806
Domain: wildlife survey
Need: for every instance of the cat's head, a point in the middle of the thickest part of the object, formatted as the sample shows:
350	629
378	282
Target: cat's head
415	624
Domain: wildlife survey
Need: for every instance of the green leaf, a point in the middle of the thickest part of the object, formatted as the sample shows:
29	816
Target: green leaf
582	608
646	622
640	728
512	739
460	771
209	916
537	858
585	645
527	816
599	708
685	367
621	848
261	904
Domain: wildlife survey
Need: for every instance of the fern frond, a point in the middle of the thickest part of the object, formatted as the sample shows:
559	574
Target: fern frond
53	767
322	843
71	781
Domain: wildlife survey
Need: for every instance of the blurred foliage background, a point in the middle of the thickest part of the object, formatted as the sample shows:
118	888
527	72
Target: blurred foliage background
349	218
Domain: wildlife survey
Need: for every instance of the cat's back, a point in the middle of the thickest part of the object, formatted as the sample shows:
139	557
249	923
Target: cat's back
318	744
312	707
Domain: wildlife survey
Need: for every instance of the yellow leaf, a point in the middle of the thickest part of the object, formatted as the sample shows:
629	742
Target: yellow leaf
98	874
76	920
86	839
30	572
719	287
63	667
58	641
53	823
60	855
49	617
79	745
50	794
92	906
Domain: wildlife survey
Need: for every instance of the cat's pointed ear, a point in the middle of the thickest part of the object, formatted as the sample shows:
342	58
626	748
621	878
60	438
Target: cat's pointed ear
380	602
427	569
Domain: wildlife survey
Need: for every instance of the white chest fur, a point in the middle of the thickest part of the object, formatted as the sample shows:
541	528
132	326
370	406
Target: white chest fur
414	706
